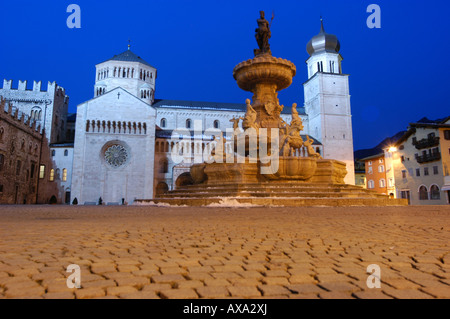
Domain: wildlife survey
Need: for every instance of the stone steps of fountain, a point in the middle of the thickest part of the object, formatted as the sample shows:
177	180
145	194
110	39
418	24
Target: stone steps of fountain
276	194
270	190
277	201
273	194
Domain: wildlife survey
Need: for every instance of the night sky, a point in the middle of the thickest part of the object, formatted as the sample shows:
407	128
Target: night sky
398	74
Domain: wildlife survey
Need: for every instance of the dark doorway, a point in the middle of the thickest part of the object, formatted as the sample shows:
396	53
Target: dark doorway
16	196
67	201
53	200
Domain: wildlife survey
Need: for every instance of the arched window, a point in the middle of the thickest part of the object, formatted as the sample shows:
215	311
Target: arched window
188	123
36	113
382	183
435	193
163	123
370	184
381	169
57	175
66	153
164	166
52	175
53	153
64	176
2	131
216	124
423	193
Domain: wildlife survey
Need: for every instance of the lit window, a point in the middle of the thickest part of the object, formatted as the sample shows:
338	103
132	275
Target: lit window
41	171
64	177
52	175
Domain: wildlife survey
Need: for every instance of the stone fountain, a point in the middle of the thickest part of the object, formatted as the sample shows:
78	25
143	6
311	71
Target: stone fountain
271	164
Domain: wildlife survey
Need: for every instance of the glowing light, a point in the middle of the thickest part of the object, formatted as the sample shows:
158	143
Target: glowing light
392	149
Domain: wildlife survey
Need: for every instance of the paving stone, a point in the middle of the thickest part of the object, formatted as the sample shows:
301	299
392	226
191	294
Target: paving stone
371	294
339	286
122	290
244	291
408	294
185	293
335	295
305	288
273	290
212	292
89	293
140	295
331	247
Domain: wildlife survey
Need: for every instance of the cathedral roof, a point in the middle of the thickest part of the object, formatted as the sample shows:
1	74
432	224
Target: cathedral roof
323	42
129	56
212	106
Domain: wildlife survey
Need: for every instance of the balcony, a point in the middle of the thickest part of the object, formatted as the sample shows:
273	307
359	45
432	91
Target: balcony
426	158
426	142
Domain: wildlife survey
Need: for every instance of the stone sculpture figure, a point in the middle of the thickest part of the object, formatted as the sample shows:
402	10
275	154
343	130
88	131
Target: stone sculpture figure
263	35
250	118
311	152
235	122
296	120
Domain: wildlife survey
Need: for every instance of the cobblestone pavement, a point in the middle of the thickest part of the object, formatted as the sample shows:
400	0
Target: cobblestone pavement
157	252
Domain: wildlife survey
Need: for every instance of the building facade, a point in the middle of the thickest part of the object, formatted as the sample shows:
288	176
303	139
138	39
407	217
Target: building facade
420	168
24	159
48	108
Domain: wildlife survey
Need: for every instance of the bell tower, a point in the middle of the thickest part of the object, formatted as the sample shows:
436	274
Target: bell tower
327	100
128	71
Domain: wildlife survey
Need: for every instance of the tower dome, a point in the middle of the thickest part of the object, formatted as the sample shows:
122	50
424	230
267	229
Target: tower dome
323	42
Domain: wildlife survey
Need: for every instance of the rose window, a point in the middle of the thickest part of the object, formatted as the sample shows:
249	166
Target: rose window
116	155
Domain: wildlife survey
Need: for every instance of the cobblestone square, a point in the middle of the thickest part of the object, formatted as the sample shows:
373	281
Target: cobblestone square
212	252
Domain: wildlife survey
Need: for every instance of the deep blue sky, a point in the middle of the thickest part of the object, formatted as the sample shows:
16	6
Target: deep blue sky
399	73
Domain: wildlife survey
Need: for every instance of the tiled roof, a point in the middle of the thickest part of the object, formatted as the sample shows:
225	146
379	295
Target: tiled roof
213	106
129	56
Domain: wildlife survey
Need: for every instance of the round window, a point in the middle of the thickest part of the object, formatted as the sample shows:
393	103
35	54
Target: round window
116	155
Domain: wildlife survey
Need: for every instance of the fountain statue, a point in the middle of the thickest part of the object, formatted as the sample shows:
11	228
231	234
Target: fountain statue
271	162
